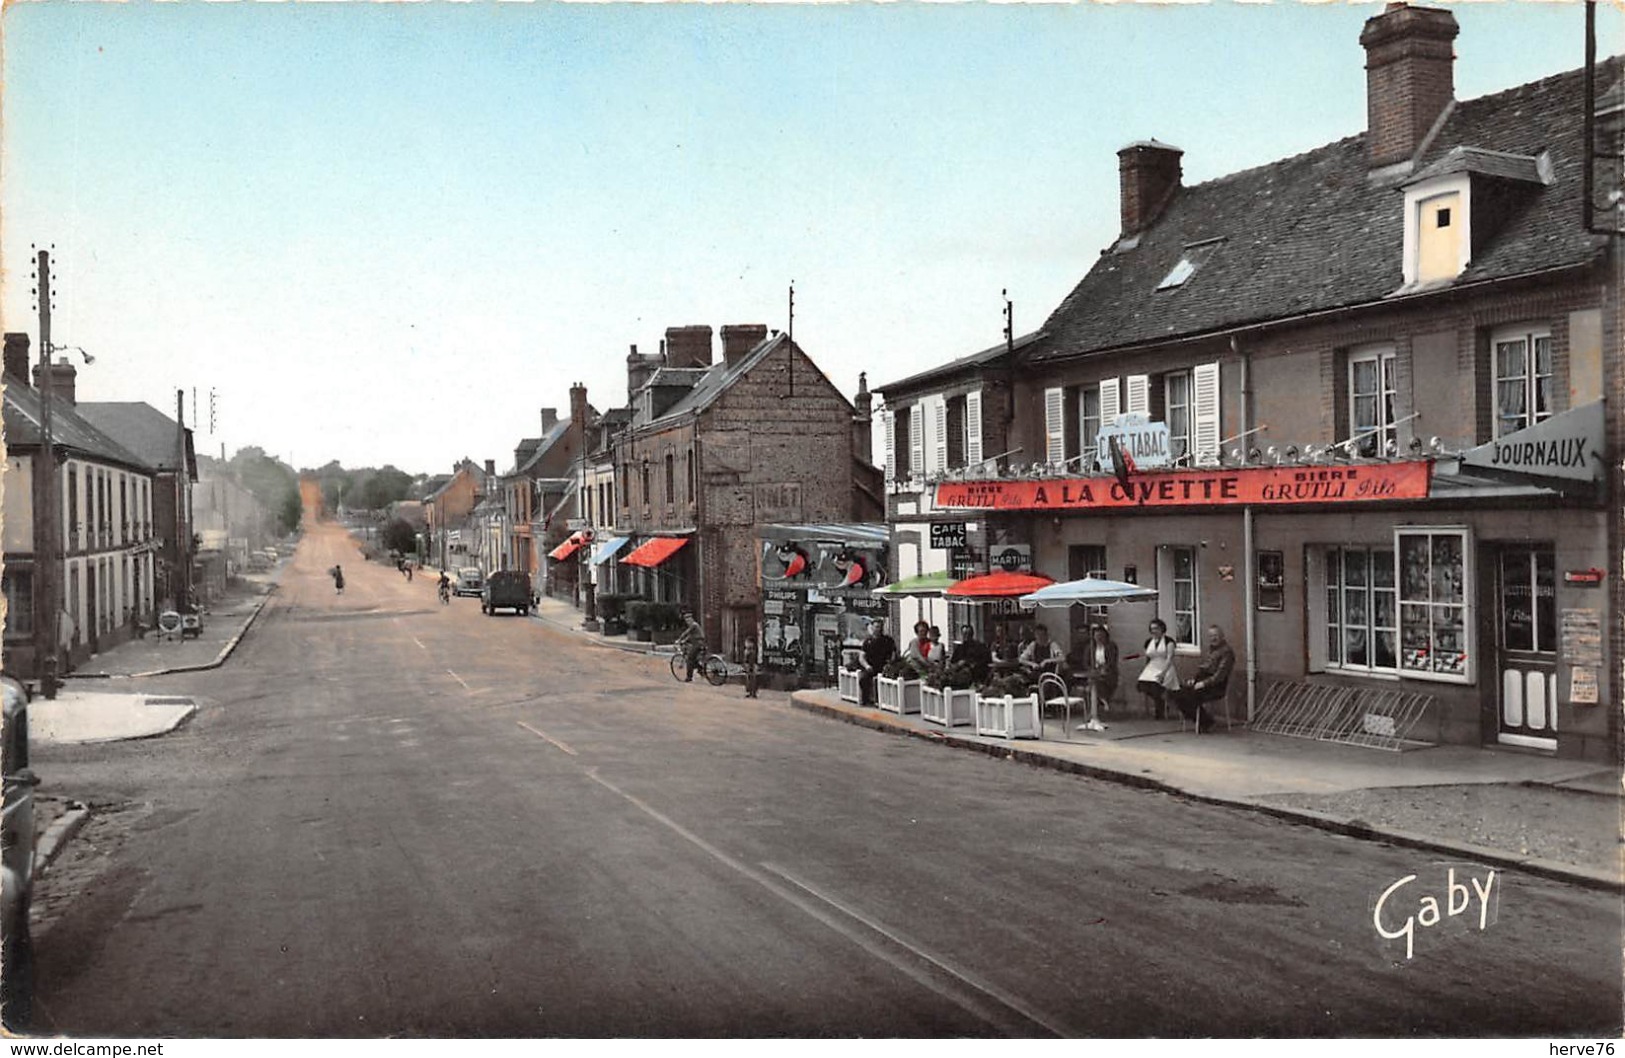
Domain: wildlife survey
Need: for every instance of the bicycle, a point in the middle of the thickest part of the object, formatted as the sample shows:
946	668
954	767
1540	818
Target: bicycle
445	593
714	667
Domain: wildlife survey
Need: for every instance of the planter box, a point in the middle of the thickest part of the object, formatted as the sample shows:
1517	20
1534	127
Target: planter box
898	696
1009	717
847	682
944	705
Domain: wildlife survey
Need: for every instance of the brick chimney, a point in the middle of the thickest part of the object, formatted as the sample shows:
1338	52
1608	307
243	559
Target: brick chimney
578	418
638	370
739	339
490	470
1409	78
863	438
550	419
17	357
1148	174
688	346
63	375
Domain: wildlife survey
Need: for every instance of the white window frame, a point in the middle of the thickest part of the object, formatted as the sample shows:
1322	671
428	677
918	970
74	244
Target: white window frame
1111	401
1137	395
939	434
1530	335
1436	621
1181	447
1374	439
1088	426
1337	591
1168	608
916	440
889	419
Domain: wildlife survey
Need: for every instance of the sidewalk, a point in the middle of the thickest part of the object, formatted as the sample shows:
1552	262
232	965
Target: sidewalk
223	626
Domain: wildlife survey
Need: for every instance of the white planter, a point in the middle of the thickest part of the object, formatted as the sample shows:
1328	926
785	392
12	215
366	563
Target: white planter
846	681
947	706
898	696
1009	717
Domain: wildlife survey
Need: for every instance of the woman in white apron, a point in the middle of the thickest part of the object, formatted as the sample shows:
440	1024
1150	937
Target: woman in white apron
1159	675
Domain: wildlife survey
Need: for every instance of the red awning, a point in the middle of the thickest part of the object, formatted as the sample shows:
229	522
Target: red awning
999	585
576	542
655	551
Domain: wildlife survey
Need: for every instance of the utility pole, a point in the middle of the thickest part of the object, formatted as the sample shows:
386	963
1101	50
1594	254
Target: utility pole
183	524
47	576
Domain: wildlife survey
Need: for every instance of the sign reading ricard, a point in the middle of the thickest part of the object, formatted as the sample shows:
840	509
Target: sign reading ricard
1145	441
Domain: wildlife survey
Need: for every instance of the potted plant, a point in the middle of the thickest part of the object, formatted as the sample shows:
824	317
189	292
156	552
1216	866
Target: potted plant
847	682
898	686
665	621
1007	707
612	609
949	695
637	619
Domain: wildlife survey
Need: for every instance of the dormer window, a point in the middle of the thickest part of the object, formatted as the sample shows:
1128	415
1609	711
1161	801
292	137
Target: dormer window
1437	240
1194	257
1177	276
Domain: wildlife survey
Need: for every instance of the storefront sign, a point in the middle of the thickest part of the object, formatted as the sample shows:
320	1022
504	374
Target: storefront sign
1566	446
1196	488
1584	576
1583	686
1271	595
1143	441
1582	636
1011	558
945	535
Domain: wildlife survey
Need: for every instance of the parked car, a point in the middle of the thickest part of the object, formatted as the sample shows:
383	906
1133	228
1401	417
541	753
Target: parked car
506	589
467	581
16	858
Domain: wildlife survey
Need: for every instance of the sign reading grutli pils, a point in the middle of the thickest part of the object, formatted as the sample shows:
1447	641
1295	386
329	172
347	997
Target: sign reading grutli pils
1261	486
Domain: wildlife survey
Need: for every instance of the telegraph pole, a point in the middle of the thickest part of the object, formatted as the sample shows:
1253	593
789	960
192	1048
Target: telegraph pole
47	576
183	523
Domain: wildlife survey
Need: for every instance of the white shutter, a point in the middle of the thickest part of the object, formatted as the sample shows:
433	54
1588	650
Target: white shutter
890	418
1139	395
1054	425
916	440
1205	435
1110	401
973	428
939	435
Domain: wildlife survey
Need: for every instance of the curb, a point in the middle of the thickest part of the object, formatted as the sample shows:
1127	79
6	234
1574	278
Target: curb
1588	877
220	659
592	640
57	834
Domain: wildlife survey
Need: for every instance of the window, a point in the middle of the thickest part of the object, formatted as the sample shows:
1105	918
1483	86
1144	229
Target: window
693	493
671	477
956	431
1371	400
905	463
72	531
1177	604
1523	378
1088	423
1529	598
1176	410
19	589
1361	632
647	498
1434	624
1439	245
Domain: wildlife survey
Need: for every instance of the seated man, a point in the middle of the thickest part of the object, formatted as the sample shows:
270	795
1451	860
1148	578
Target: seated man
1211	683
1041	655
973	652
878	648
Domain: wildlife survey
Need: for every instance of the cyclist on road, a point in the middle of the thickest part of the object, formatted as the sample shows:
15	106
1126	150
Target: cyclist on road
444	587
692	643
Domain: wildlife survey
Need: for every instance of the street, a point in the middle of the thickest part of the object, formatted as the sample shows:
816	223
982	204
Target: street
396	818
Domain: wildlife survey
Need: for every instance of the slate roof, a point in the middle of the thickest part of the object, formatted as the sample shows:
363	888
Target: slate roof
142	429
1312	232
23	409
993	354
715	380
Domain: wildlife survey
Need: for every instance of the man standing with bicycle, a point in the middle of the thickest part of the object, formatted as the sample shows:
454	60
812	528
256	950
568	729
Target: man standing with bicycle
692	644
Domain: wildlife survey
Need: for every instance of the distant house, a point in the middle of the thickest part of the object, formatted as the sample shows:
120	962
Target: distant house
447	513
108	538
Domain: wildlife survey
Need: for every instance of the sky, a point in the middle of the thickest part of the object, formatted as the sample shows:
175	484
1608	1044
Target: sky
392	233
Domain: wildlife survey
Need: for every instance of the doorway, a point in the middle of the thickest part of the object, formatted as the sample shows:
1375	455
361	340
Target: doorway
1526	645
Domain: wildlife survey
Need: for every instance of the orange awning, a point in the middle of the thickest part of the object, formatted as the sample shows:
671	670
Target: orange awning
655	551
568	548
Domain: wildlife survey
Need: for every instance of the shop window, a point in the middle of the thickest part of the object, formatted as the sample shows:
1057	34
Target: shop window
1361	628
1435	603
1176	595
1176	410
19	589
1528	599
1371	389
1523	378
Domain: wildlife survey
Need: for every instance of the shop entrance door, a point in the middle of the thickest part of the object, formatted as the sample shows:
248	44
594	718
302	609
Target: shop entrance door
1084	560
94	609
1526	647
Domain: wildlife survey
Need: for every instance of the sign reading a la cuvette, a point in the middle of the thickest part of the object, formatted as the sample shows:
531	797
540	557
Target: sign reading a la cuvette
1259	486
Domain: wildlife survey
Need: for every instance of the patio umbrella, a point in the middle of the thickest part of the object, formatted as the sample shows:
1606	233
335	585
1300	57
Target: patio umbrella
1091	591
924	586
998	585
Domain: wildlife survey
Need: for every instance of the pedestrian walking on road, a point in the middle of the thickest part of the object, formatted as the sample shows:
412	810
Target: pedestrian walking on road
338	580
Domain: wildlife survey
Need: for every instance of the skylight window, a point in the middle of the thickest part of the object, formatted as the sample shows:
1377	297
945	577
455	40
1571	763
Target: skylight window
1181	272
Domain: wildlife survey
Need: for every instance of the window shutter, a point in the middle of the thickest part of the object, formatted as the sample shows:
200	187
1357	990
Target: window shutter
890	418
973	428
1139	395
1110	402
1205	435
1054	425
916	440
939	437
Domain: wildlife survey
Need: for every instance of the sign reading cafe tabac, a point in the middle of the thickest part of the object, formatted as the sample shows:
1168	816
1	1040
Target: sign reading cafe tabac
1197	488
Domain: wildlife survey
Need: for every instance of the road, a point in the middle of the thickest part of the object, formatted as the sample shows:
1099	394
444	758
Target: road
392	817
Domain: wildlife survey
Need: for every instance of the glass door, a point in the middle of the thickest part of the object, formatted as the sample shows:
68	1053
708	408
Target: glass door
1526	622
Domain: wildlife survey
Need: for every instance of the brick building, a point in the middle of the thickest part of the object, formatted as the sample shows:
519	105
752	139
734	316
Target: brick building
716	450
1326	369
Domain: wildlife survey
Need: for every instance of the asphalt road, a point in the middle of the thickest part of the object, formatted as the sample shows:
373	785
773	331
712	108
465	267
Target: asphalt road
396	818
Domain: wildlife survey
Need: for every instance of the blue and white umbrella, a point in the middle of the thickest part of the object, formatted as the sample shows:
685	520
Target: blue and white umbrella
1091	591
